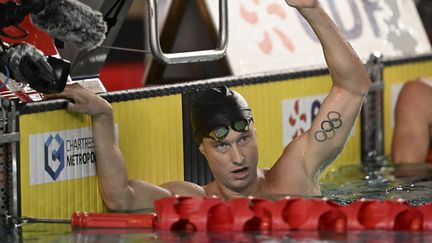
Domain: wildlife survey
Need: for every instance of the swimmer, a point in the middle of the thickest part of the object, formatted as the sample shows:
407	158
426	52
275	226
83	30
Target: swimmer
413	123
225	133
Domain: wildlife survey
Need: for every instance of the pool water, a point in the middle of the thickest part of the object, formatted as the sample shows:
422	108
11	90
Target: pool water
63	233
413	183
410	182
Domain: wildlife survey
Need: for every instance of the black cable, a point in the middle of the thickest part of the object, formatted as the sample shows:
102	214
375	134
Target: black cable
111	21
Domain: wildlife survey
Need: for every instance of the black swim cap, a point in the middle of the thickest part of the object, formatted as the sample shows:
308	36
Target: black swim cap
216	107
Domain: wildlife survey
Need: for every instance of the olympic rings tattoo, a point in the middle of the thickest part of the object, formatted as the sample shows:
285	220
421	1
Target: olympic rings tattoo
328	127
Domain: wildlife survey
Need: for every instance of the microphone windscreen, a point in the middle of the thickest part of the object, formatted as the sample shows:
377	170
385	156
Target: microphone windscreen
73	22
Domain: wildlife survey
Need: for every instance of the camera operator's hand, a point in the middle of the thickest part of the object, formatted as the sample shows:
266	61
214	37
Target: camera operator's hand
83	101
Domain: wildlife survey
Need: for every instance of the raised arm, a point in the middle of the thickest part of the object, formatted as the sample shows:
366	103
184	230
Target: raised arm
323	142
118	192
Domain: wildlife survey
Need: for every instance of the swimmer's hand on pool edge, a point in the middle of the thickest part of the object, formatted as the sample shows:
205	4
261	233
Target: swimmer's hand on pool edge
83	101
116	189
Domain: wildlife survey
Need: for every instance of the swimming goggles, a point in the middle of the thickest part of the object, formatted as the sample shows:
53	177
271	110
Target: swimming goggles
220	132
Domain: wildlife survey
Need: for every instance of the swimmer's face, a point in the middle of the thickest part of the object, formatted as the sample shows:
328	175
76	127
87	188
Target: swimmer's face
233	161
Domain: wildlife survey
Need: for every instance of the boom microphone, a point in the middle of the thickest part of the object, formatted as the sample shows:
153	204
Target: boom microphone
69	20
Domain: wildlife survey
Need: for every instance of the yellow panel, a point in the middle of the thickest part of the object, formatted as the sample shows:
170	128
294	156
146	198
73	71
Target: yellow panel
152	140
398	74
142	129
266	102
60	199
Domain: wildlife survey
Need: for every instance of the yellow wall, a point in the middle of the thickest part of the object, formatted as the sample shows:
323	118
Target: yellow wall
150	131
59	199
151	137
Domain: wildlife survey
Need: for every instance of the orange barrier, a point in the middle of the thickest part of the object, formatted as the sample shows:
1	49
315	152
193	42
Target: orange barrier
255	214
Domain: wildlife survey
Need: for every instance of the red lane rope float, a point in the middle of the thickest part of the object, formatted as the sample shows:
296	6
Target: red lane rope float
112	220
254	214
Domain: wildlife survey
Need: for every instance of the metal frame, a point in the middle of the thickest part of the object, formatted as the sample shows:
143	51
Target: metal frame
372	117
9	139
187	57
12	128
3	166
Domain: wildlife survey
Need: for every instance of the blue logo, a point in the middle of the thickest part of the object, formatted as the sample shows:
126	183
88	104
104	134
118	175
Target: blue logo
56	155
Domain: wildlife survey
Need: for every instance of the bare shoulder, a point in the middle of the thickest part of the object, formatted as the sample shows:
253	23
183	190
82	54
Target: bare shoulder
414	87
184	188
416	95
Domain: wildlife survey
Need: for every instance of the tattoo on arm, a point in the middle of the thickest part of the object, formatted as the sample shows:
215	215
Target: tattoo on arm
328	127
